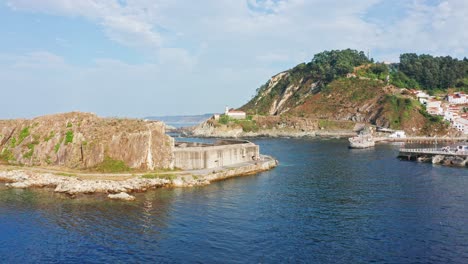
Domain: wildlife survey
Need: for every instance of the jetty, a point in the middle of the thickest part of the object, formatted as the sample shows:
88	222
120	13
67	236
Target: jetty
422	139
452	156
417	152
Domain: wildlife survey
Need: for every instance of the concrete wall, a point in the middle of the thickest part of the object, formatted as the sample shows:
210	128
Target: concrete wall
191	157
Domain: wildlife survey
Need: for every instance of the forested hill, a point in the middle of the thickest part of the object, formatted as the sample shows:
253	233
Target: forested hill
430	73
346	85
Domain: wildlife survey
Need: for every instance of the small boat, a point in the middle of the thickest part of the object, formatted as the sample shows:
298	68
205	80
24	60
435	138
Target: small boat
361	141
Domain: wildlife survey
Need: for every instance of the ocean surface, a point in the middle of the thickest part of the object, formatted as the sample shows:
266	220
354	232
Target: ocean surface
323	204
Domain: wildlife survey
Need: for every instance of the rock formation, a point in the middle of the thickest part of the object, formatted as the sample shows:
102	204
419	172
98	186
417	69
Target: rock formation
83	141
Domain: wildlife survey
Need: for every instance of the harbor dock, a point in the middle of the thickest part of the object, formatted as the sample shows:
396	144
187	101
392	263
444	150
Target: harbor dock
457	156
445	140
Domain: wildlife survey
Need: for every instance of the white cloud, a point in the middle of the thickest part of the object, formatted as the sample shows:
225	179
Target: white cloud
436	29
125	24
206	54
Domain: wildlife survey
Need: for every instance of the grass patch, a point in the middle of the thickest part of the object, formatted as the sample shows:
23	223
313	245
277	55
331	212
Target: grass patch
169	176
69	137
110	165
69	124
57	147
29	154
50	136
23	134
399	110
66	174
7	155
248	125
335	125
13	142
224	119
31	146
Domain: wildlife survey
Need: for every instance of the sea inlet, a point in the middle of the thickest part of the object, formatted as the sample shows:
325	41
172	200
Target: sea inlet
324	203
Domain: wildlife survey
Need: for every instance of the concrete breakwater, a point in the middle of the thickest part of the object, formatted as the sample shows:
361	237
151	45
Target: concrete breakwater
422	139
123	184
435	156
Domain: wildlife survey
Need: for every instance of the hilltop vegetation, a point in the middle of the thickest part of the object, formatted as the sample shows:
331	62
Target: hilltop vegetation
344	85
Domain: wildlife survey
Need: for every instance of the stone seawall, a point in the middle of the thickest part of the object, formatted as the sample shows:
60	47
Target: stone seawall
204	156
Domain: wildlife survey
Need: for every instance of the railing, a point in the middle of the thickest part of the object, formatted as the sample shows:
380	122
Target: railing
436	151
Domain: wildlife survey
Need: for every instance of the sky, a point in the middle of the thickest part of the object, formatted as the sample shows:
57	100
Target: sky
138	58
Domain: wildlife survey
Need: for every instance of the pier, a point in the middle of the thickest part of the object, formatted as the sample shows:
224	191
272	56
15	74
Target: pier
417	152
422	139
444	156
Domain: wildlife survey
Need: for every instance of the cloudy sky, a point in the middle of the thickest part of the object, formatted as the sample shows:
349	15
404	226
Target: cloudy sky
136	58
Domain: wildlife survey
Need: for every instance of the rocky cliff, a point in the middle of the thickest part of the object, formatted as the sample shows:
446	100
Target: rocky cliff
85	141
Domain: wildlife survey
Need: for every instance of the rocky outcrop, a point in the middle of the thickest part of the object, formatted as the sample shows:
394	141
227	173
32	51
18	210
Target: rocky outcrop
121	196
73	185
449	160
83	140
119	188
277	126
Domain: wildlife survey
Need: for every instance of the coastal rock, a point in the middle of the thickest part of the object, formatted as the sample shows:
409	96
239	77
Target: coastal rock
73	185
437	159
19	185
83	140
458	161
121	196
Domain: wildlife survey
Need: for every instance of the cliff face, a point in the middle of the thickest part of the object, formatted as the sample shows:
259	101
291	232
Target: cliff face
82	141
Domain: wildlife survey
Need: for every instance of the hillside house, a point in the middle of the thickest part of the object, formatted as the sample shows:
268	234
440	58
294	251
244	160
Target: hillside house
235	114
422	97
461	124
451	114
457	98
434	107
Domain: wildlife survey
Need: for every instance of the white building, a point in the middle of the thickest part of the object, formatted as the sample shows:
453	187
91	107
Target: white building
398	134
422	97
457	98
451	113
461	124
434	107
235	113
450	116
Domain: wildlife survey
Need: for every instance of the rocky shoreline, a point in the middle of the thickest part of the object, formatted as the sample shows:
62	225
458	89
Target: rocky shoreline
444	160
275	133
119	189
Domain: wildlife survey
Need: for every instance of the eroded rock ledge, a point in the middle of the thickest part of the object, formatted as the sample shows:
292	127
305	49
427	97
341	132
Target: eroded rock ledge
73	185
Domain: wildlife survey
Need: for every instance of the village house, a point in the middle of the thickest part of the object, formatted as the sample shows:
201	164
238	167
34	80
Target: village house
434	107
235	114
461	124
457	98
422	97
451	113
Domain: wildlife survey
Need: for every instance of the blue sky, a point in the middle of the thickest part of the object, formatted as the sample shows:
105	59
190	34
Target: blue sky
136	58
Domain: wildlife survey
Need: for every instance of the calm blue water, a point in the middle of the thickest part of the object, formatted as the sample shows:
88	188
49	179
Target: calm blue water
323	204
